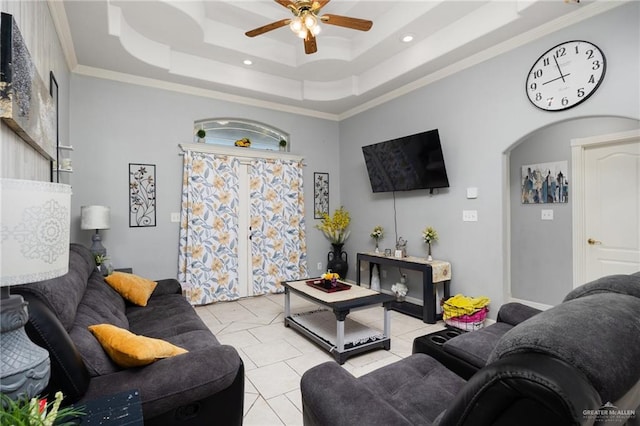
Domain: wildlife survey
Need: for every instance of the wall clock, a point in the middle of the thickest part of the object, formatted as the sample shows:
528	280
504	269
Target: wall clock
566	75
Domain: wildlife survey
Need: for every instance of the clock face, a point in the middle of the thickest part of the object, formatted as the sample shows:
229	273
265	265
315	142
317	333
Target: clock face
565	75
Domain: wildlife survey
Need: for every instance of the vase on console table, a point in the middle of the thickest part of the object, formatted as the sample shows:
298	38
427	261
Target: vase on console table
429	257
337	260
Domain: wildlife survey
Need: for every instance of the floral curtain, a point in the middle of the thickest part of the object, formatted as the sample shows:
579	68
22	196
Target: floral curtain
208	251
278	244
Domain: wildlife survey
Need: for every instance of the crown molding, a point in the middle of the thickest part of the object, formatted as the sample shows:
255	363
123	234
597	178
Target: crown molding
196	91
61	24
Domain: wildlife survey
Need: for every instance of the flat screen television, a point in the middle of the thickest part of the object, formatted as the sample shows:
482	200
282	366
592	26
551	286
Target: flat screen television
407	163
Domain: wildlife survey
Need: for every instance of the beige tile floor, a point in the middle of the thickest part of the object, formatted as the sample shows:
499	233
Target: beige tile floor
275	357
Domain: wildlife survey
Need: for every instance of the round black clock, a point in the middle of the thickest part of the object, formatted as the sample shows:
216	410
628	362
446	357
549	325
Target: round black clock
566	75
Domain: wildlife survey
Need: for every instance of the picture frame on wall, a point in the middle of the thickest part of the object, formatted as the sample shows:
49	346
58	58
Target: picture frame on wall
545	183
142	195
25	103
320	194
53	91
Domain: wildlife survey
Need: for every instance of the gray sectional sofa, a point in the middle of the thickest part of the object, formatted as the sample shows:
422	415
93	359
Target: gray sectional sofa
203	386
574	364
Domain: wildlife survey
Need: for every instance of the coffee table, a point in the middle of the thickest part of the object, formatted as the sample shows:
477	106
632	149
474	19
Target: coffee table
318	326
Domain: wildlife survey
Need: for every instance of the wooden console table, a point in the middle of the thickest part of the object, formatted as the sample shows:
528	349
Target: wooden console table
434	272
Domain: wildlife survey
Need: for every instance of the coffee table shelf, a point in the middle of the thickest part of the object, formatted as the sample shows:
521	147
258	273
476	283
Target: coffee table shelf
315	325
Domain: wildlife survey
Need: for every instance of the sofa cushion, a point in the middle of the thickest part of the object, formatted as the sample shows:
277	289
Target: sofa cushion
62	295
100	305
476	346
132	287
406	384
178	317
592	333
130	350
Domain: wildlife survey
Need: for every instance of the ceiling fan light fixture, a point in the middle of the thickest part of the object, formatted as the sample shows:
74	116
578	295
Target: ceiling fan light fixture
302	33
296	25
310	21
316	30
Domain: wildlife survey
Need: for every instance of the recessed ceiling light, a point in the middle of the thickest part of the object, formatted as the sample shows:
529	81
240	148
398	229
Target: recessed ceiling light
407	38
247	62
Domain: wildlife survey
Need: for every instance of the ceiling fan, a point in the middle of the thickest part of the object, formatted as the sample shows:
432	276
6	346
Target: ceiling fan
305	22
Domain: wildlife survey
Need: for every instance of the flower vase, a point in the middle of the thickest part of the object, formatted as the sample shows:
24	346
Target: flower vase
337	261
429	258
377	249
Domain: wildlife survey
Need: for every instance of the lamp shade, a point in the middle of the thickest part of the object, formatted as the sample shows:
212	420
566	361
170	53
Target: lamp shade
35	231
94	217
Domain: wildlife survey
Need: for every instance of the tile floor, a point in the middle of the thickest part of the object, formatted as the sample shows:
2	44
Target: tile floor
275	357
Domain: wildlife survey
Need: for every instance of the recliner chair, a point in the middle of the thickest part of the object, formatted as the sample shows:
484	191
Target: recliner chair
575	363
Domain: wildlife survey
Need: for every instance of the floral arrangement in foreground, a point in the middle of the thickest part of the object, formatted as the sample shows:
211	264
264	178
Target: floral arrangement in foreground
335	228
36	412
429	235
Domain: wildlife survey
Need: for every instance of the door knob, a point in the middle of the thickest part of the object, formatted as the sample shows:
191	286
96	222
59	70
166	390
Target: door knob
593	242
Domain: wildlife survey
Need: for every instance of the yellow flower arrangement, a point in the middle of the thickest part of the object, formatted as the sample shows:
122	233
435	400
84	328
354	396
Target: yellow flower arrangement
335	228
330	276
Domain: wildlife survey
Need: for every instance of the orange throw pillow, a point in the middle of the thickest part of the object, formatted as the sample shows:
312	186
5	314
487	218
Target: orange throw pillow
132	287
130	350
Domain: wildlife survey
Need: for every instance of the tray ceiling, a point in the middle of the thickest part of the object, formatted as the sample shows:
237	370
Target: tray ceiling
187	45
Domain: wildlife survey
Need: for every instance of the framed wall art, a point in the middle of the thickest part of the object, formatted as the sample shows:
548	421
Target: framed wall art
25	103
142	195
545	183
320	195
53	91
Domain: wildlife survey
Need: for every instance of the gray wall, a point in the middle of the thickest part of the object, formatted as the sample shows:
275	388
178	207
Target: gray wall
114	124
480	112
541	270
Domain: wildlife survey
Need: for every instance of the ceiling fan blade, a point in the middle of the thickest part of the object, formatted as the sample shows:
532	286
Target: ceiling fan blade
310	45
267	28
345	21
318	4
286	3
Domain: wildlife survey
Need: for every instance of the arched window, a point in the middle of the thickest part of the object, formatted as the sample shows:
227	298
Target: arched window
228	131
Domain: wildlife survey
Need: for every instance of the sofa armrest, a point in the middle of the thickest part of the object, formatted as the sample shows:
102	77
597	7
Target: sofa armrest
514	313
333	396
167	286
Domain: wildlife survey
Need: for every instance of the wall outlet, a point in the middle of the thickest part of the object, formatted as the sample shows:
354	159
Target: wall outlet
469	215
546	214
175	217
319	266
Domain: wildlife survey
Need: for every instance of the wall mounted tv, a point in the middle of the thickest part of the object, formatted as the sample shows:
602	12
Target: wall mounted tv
407	163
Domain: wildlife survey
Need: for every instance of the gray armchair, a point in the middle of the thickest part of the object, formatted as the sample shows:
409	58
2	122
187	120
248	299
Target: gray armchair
466	353
563	366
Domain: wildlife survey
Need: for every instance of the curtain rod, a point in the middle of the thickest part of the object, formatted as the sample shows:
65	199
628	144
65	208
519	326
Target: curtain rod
234	151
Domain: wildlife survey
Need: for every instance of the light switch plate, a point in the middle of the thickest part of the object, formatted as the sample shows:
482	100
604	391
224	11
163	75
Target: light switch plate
469	215
472	192
546	214
175	217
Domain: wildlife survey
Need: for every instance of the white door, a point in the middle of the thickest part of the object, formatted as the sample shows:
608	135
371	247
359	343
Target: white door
610	237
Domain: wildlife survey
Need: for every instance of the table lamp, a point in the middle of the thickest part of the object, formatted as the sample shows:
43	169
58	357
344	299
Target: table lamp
35	218
95	217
